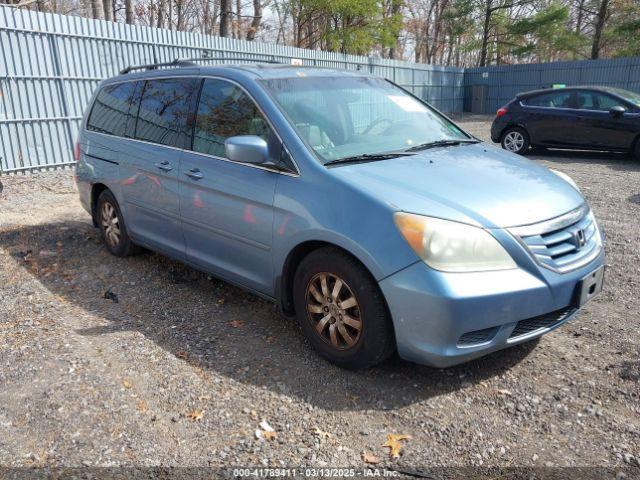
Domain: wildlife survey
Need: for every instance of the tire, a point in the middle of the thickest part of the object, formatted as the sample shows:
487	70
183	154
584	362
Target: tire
362	347
515	140
112	227
636	150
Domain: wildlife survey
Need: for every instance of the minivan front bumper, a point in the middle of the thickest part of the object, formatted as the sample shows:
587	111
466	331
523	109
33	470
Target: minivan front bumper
442	319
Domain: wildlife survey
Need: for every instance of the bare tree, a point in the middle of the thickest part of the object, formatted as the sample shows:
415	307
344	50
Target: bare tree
97	9
225	17
107	5
128	11
255	22
600	21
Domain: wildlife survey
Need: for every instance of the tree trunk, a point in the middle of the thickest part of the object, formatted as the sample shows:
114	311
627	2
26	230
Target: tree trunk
225	14
580	16
396	6
108	9
204	27
238	20
128	11
180	15
257	19
601	19
485	34
97	9
160	14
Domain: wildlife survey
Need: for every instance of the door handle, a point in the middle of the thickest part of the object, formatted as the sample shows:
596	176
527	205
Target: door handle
165	166
195	173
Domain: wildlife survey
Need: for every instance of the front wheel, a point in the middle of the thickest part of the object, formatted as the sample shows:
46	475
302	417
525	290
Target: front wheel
636	151
341	310
515	140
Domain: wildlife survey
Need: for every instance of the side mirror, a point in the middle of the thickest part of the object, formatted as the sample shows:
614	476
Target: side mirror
617	111
246	149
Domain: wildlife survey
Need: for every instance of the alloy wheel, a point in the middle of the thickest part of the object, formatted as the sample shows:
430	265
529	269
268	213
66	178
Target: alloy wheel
514	141
334	311
110	224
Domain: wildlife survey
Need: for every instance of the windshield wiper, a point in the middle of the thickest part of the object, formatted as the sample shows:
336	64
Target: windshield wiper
440	143
368	157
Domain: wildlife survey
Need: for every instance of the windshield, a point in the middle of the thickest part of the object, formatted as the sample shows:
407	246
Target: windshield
342	117
627	95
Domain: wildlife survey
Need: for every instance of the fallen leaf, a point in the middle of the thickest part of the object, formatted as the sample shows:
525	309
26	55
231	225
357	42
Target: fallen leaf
195	415
270	338
503	391
320	433
369	457
265	431
182	355
142	406
236	323
269	435
127	384
353	398
394	445
264	425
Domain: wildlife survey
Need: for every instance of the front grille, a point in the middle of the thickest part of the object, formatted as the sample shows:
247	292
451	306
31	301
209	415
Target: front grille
548	320
477	336
565	243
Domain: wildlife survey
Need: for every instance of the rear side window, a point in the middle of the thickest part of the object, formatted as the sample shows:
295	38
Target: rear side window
550	100
165	110
225	111
111	109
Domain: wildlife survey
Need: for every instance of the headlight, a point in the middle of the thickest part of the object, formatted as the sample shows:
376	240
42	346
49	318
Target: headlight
566	178
452	246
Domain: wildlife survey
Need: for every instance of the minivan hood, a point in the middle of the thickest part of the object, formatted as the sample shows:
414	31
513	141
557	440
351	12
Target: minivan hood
476	184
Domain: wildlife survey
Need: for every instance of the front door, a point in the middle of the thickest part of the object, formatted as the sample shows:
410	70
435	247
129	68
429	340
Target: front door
227	207
151	162
598	127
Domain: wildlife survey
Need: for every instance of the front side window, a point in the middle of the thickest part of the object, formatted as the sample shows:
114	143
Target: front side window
550	100
111	109
631	97
344	116
224	111
165	108
596	101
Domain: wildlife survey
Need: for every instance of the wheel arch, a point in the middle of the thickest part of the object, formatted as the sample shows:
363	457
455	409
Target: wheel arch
514	125
284	283
96	189
635	145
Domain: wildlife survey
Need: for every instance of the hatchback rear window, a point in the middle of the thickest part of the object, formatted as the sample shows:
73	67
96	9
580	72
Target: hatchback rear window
165	109
111	109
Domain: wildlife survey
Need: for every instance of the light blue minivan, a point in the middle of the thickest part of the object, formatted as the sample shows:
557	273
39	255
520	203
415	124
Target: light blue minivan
352	204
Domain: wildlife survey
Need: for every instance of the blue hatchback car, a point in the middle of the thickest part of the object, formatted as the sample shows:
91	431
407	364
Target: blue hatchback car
352	204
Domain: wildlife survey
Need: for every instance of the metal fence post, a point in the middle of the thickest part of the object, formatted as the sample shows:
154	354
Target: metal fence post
57	70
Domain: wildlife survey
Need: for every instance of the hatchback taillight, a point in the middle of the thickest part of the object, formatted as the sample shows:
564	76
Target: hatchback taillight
501	112
76	151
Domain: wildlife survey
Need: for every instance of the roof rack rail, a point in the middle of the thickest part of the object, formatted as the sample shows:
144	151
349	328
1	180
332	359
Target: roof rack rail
190	62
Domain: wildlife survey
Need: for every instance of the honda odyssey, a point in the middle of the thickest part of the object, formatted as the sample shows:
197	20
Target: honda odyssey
351	203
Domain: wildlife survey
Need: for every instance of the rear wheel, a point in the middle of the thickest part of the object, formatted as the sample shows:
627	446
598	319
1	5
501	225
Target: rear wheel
515	140
112	226
341	310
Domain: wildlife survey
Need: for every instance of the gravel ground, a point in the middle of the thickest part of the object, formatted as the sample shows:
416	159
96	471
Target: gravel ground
183	368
